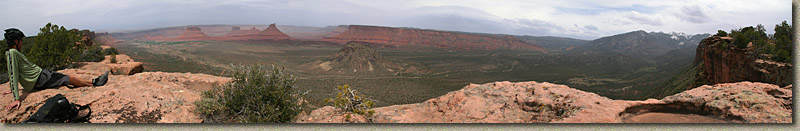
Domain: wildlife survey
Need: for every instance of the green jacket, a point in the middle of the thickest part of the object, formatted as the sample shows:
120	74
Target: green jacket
21	71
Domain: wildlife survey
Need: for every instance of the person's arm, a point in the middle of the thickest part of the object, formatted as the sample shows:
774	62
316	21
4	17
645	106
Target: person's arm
12	74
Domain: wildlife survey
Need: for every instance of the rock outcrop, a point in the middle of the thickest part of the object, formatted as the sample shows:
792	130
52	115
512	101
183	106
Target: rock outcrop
730	64
192	33
355	57
148	97
419	38
123	65
533	102
273	33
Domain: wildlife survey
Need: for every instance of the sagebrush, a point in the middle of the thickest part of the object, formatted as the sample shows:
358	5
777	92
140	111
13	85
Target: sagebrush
350	100
255	95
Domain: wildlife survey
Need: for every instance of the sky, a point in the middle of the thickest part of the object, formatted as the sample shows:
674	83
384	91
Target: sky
581	19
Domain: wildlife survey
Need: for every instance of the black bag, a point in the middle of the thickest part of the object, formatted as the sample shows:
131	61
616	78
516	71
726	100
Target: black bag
57	109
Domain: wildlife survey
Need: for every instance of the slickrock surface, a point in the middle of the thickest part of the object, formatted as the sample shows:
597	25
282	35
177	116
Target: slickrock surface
148	97
533	102
744	101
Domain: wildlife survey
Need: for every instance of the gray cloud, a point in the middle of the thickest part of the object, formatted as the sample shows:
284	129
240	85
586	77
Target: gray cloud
693	14
590	27
552	18
644	19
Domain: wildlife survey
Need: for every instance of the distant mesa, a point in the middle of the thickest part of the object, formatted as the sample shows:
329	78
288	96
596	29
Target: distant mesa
192	33
235	31
420	38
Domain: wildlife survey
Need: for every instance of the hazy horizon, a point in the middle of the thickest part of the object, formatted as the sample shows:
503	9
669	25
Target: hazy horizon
574	19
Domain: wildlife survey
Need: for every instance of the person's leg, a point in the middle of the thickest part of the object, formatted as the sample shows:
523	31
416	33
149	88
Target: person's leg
77	82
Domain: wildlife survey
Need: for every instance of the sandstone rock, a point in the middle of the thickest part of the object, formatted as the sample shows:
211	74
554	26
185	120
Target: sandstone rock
149	97
745	101
419	38
124	65
725	65
532	102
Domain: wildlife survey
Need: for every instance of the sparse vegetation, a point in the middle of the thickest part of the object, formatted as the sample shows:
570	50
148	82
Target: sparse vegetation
350	100
110	51
113	58
55	47
778	46
255	95
92	54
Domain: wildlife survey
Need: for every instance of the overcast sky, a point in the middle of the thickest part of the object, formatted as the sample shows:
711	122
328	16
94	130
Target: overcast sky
583	19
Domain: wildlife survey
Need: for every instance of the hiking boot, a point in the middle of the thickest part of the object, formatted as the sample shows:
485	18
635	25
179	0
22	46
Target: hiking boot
100	80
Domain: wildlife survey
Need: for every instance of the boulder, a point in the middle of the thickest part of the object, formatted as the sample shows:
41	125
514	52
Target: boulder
124	65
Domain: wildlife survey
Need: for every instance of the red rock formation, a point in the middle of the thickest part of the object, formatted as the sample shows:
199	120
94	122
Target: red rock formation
236	32
416	38
273	33
148	97
532	102
193	33
730	64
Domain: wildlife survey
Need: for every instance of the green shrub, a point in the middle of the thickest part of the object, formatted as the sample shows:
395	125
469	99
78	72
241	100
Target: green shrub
113	58
54	48
92	54
110	51
349	100
721	33
255	95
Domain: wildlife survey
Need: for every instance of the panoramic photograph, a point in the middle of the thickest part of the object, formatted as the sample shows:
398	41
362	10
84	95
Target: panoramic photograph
410	61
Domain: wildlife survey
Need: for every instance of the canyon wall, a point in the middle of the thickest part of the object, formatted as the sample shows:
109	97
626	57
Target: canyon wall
724	64
419	38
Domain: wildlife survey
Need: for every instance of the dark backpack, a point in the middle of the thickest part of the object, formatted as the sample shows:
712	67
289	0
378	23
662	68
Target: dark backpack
57	109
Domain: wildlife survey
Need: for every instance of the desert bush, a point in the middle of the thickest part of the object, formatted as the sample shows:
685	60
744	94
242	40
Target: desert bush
778	45
91	54
721	33
110	51
350	100
113	58
255	95
54	47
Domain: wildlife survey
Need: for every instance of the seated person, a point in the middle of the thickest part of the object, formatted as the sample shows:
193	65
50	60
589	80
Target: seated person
31	77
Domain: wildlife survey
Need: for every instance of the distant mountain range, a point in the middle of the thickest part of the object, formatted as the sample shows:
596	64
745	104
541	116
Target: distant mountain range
641	44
